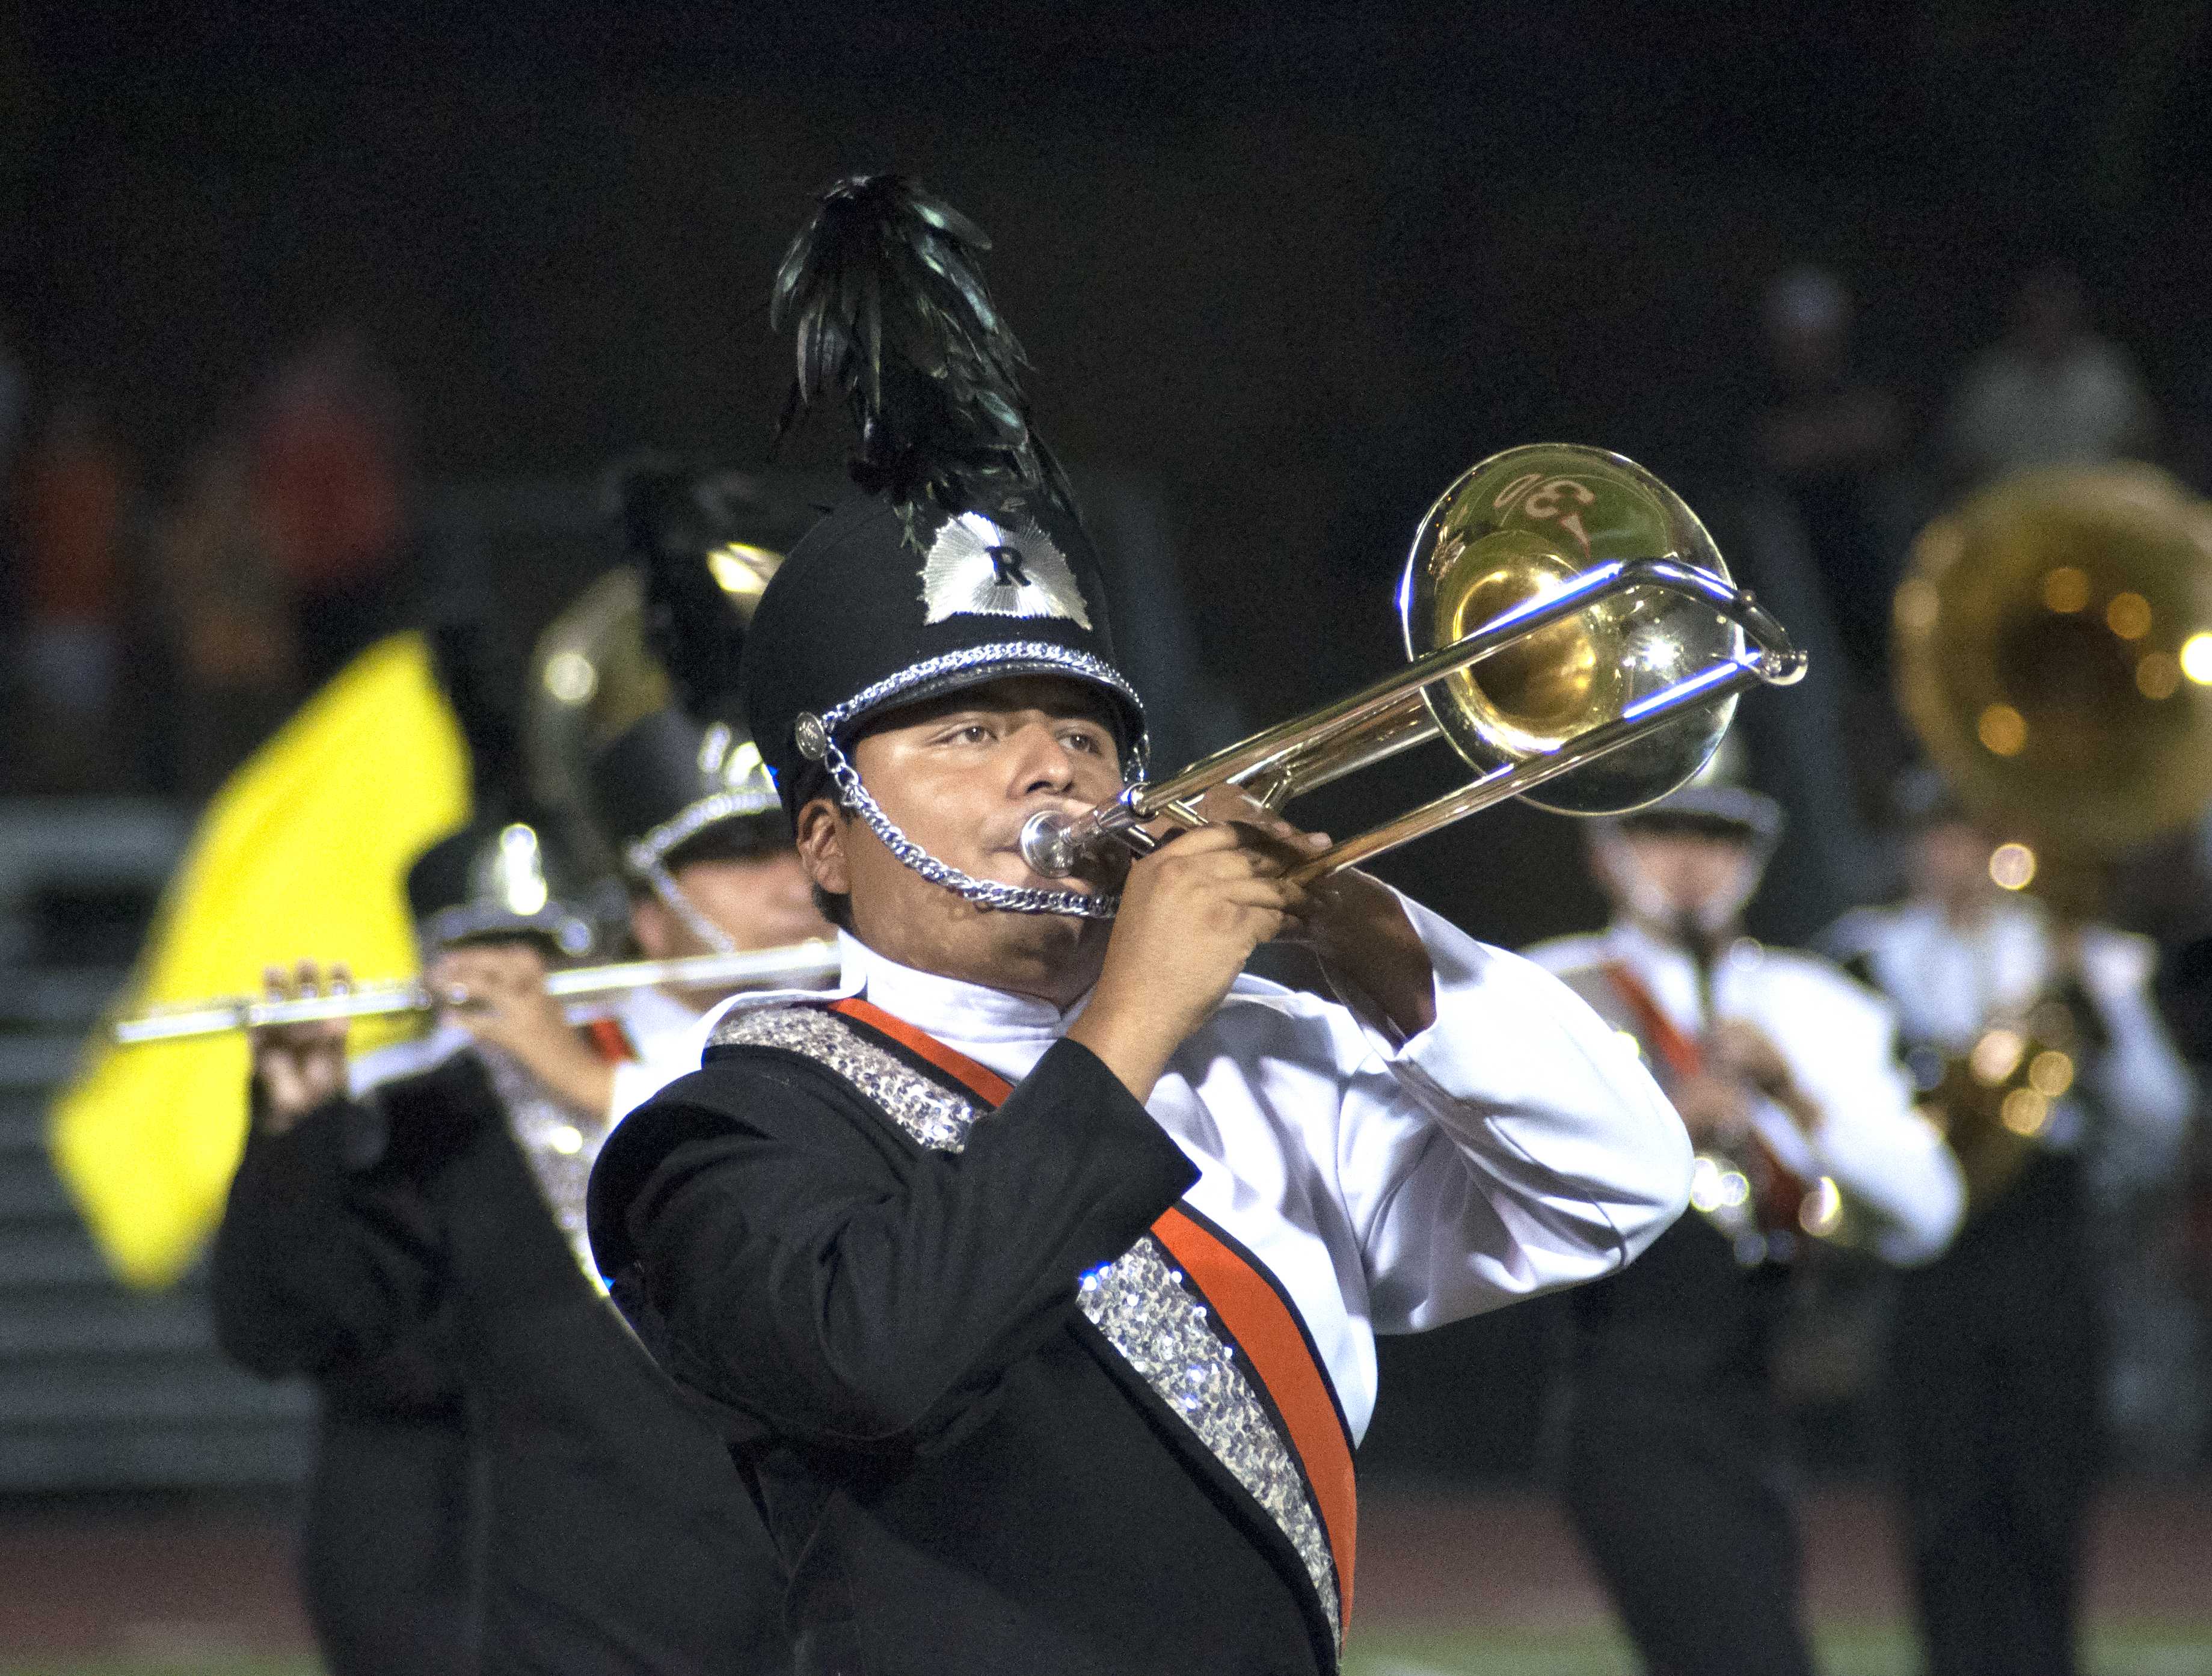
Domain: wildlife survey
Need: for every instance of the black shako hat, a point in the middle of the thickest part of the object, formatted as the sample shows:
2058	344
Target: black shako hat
505	874
668	789
498	879
964	561
872	612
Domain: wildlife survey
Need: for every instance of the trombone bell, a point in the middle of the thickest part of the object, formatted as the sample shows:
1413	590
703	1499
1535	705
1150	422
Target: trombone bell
1521	526
1571	627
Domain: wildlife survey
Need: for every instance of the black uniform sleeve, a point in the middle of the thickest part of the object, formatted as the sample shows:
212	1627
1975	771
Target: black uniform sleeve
838	1292
330	1251
301	1279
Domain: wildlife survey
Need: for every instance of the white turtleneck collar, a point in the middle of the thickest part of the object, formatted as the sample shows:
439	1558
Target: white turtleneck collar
996	1026
947	1007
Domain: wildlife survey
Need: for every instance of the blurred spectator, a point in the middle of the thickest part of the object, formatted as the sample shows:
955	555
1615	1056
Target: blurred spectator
75	486
237	653
327	487
1828	437
2052	392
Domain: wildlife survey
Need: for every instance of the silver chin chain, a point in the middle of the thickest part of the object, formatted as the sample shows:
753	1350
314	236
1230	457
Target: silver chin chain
983	892
672	895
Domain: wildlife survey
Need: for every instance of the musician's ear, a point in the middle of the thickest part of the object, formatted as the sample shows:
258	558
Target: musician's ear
820	833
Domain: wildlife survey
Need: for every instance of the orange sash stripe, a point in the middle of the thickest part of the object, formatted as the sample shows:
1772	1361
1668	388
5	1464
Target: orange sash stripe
1780	1189
980	1080
1265	1330
1683	1056
1250	1309
609	1042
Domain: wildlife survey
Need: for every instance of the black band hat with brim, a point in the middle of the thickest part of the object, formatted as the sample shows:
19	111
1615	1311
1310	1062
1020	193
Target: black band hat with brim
497	880
669	789
1922	796
859	622
963	561
1712	811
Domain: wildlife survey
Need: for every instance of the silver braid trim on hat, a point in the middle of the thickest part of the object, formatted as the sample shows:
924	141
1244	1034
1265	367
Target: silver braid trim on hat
1048	653
695	818
985	892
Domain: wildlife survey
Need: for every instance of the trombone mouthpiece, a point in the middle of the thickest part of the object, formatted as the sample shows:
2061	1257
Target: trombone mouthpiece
1049	844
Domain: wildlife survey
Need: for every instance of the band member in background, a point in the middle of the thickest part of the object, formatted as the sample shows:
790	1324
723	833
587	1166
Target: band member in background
1035	1274
439	1205
1998	1348
664	779
1784	1074
709	869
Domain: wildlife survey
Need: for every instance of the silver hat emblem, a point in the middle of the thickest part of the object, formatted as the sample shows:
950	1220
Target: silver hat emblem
977	567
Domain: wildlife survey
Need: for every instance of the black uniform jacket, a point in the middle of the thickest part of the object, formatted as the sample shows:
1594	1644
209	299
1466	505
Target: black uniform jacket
615	1536
963	1473
323	1266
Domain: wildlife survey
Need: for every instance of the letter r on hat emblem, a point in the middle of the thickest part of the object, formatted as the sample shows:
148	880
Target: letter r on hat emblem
978	568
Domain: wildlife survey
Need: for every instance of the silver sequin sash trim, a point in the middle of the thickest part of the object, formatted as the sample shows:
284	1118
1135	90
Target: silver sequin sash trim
558	1145
1139	1301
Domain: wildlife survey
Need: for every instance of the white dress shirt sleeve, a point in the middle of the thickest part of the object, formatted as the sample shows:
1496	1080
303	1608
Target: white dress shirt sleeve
1516	1145
1889	1163
2139	1081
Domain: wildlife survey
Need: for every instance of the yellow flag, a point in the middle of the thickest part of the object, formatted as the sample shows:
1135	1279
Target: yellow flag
303	854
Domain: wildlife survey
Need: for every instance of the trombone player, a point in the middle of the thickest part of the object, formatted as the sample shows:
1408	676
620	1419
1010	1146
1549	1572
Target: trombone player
1034	1273
1784	1074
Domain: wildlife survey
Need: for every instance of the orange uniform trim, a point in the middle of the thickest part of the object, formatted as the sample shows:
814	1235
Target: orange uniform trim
1683	1056
1779	1189
1250	1309
980	1080
1265	1329
608	1038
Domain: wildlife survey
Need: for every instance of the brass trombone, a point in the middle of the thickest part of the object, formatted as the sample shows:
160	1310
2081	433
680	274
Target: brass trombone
1570	624
797	964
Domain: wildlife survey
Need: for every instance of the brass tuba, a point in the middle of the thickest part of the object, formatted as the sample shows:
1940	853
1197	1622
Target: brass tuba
2053	643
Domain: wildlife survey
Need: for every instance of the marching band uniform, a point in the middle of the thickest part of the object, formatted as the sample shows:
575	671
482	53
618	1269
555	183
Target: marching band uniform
314	1244
1996	1352
1030	1376
1674	1474
578	1516
607	1532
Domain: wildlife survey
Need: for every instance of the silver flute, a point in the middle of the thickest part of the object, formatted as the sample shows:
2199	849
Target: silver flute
798	965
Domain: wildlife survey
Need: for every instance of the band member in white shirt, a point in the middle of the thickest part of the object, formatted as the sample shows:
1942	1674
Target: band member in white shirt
1997	1354
1785	1075
1035	1276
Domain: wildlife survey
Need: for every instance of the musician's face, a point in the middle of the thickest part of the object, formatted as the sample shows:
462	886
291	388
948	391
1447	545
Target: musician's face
1667	877
757	901
960	775
1951	863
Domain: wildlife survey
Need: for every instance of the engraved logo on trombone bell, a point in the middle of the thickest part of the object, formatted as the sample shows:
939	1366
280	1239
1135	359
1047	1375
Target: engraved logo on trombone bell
979	568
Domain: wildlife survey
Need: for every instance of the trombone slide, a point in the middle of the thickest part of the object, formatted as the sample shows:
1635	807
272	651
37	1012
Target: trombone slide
1392	715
